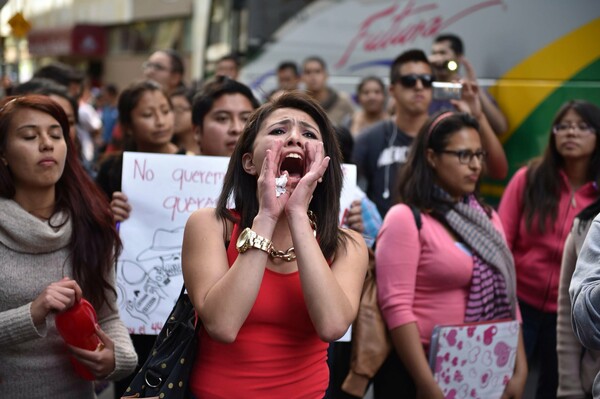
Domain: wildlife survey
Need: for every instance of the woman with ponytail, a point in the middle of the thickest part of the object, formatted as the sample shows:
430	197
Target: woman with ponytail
441	256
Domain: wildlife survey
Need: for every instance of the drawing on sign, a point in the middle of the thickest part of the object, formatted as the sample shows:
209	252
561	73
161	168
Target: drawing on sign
143	282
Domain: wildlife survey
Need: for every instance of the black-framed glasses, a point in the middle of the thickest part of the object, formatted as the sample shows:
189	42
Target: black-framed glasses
155	66
563	128
465	157
410	81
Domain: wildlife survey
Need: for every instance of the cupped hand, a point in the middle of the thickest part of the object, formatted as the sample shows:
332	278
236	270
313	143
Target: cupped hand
119	206
269	204
317	165
354	218
100	362
57	297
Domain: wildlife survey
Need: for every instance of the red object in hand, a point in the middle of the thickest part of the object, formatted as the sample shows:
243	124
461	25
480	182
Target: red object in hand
77	326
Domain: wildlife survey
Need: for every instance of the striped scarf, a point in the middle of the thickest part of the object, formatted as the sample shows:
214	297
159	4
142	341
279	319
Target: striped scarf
492	295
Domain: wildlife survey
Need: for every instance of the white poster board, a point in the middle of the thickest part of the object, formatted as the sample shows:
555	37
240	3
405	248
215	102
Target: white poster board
163	190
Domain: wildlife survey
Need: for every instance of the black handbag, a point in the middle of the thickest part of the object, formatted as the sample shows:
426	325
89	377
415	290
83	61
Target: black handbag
166	372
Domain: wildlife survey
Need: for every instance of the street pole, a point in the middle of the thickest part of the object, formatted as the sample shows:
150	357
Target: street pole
18	60
200	25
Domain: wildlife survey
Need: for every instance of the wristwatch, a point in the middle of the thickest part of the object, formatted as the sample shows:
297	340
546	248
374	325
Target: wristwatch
249	239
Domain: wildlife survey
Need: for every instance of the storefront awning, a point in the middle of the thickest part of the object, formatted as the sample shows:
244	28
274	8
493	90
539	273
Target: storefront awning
78	40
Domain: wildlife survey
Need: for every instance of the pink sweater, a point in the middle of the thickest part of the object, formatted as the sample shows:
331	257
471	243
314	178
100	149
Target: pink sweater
423	276
538	256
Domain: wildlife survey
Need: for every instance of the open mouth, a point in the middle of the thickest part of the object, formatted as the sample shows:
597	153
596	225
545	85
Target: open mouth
293	164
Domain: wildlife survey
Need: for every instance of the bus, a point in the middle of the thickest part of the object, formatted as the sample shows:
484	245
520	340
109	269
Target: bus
531	56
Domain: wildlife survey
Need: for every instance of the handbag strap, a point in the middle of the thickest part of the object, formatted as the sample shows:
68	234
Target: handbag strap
182	297
183	294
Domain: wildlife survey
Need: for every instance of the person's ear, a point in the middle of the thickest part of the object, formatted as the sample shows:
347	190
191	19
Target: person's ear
126	129
198	134
431	158
248	164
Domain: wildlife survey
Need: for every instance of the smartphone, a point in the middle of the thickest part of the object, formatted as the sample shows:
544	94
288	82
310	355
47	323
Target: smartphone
446	91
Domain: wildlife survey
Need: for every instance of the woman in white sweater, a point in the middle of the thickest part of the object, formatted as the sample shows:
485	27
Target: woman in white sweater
58	244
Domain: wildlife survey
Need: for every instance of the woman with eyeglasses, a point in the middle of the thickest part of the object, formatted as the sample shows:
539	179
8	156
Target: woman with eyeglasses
537	211
165	67
441	256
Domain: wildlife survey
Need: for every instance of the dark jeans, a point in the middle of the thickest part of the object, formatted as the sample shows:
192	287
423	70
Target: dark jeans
338	359
539	336
393	381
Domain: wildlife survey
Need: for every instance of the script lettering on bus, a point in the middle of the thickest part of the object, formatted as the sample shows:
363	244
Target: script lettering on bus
397	25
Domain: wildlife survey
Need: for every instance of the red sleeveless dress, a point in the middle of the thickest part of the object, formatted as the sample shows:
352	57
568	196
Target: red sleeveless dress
277	352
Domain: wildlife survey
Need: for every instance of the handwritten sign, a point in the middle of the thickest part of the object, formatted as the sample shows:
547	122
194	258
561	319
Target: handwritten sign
163	191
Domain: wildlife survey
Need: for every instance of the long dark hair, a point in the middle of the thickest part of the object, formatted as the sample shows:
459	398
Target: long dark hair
95	243
543	175
417	178
128	100
242	187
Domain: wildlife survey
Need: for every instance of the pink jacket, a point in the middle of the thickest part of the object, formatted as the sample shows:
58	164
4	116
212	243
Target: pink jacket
423	276
538	256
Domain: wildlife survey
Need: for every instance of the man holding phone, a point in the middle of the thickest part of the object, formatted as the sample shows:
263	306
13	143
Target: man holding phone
447	56
382	148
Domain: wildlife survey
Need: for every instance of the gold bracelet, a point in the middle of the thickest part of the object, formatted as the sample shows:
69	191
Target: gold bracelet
250	239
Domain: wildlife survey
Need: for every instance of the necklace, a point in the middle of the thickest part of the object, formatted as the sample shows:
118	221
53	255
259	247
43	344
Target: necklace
289	255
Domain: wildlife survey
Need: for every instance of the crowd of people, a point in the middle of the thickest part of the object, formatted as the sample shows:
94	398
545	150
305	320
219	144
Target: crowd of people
275	277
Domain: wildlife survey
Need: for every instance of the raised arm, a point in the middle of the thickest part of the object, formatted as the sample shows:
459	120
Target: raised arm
497	164
223	296
332	293
494	115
